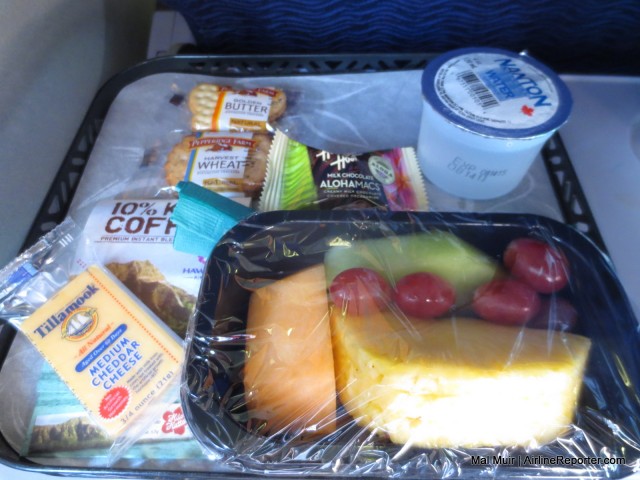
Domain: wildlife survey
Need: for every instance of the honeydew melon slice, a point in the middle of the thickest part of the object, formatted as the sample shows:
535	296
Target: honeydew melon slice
438	252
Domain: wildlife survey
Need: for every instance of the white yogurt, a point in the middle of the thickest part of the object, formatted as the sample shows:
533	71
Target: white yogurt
486	115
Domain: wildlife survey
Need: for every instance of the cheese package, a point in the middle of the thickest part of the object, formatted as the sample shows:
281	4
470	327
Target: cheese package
116	356
111	352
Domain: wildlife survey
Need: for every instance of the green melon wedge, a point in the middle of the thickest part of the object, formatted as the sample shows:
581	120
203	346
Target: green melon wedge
437	252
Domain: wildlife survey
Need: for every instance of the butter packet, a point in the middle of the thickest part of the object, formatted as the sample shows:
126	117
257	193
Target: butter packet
113	353
303	177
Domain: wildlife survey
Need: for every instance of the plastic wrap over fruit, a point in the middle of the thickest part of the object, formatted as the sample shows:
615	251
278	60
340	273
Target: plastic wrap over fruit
434	345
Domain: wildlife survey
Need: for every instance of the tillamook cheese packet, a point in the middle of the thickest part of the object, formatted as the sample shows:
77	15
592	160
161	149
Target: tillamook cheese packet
112	353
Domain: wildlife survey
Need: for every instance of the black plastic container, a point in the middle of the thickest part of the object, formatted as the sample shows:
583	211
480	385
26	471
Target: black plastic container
274	245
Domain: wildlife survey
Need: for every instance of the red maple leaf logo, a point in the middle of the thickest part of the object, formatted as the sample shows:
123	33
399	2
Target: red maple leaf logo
528	111
174	422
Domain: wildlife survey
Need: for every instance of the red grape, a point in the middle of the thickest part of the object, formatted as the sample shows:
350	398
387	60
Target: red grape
556	314
506	301
538	264
424	295
358	291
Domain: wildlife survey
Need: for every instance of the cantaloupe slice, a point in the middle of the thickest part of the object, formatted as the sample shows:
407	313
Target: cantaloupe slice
457	382
288	374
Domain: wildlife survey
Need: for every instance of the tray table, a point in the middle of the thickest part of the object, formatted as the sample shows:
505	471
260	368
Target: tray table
571	200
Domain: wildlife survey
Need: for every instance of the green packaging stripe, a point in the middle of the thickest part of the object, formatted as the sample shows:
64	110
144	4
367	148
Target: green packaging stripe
299	189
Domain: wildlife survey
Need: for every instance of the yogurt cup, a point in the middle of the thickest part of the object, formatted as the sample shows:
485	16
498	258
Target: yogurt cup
487	113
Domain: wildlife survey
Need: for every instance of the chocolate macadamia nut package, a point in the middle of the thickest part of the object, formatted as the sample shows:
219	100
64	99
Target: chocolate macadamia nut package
300	177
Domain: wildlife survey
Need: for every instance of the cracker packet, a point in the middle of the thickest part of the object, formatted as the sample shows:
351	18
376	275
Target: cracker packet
232	164
303	177
222	108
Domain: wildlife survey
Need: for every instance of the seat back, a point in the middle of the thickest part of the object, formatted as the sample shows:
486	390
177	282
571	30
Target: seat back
569	35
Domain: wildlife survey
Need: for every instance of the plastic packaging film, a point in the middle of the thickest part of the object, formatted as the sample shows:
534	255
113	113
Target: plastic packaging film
313	352
113	353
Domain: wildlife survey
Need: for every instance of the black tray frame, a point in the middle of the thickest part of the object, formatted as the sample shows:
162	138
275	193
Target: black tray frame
54	208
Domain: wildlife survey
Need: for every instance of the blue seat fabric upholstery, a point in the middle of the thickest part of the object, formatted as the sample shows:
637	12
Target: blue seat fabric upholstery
568	35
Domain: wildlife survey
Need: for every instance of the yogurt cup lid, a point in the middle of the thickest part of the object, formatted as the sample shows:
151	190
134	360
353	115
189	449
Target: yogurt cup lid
496	93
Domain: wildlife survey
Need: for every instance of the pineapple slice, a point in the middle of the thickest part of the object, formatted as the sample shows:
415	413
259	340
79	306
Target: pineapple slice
457	382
